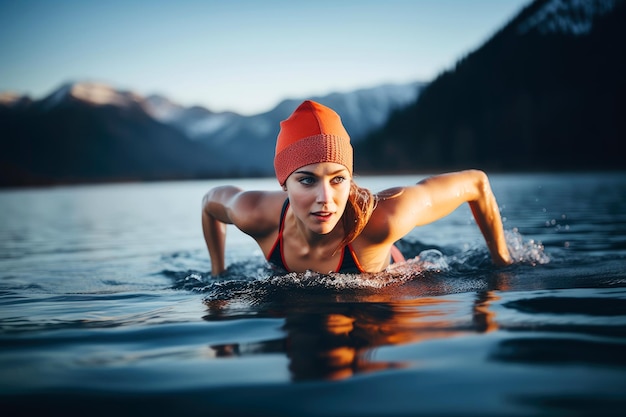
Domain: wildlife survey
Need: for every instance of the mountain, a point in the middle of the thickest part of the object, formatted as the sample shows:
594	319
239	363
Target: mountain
87	132
249	141
546	92
192	121
90	132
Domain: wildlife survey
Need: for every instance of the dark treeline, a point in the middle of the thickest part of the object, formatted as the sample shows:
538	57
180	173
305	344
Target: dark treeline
523	101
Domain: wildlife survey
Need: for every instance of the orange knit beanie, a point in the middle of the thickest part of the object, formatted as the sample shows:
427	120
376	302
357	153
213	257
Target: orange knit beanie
312	134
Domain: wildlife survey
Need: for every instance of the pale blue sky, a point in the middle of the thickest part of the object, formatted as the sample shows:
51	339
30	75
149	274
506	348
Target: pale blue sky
242	55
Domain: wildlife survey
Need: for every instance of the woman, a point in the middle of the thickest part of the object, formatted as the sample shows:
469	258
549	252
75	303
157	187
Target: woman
322	221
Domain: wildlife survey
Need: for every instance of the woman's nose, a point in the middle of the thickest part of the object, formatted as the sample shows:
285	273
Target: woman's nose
324	193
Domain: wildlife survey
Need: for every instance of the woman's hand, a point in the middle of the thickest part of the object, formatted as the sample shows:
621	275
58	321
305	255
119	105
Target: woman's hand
215	217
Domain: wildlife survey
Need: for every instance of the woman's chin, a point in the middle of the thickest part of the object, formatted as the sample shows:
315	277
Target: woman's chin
323	228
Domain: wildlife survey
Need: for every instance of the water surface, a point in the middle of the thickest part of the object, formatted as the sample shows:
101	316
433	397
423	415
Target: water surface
107	307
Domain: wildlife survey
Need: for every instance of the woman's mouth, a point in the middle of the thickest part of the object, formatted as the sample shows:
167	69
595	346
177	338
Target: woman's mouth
322	215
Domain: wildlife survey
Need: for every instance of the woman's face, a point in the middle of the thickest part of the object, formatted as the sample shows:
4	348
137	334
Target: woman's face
318	194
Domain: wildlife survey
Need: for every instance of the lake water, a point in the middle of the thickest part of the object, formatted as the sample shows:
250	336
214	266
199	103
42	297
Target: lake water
107	308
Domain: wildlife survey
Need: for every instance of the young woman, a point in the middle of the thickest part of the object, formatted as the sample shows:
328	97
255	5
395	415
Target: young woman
322	221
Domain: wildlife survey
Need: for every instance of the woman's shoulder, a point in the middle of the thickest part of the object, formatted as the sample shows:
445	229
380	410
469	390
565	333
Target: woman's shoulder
258	212
256	198
392	216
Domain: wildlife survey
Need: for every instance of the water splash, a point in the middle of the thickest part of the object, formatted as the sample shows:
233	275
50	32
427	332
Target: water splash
254	280
529	252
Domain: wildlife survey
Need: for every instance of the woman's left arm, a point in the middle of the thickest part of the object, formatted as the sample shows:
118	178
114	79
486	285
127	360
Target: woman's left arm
438	196
487	215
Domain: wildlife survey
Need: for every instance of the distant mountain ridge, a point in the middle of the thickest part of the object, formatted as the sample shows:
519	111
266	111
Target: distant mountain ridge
544	93
92	132
250	140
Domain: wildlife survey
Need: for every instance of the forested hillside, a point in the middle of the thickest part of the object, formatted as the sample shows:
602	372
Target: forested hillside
545	93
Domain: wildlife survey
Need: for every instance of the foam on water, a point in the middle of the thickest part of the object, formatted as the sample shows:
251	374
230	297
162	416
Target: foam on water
255	279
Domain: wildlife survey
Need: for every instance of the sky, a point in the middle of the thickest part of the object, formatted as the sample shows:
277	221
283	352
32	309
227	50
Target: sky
238	55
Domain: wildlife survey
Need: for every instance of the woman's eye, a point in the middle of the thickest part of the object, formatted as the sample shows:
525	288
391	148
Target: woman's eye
339	180
306	181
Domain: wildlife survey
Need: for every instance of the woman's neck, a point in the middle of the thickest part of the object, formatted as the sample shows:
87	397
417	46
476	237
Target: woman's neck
312	239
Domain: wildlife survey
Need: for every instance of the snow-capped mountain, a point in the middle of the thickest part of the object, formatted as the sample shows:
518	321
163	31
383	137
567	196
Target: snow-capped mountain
360	110
249	140
573	17
85	132
193	121
91	93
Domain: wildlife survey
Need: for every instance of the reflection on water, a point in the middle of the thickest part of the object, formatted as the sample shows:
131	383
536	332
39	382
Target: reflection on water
561	351
333	341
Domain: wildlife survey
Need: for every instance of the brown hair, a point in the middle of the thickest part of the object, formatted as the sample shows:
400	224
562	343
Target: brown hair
359	209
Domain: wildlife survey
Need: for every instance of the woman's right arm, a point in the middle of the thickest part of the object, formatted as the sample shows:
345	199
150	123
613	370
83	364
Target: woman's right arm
216	207
256	213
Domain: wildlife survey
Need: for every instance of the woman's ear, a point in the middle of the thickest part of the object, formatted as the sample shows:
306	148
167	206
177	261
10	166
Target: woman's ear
284	187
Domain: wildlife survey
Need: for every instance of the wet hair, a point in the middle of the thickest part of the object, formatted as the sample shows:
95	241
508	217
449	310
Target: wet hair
359	209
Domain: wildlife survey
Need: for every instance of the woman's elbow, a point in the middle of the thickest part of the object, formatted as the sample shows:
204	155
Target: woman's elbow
481	183
208	197
216	199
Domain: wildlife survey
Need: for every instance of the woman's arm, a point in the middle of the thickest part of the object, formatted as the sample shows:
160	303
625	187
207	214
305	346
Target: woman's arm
438	196
215	217
256	213
487	215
